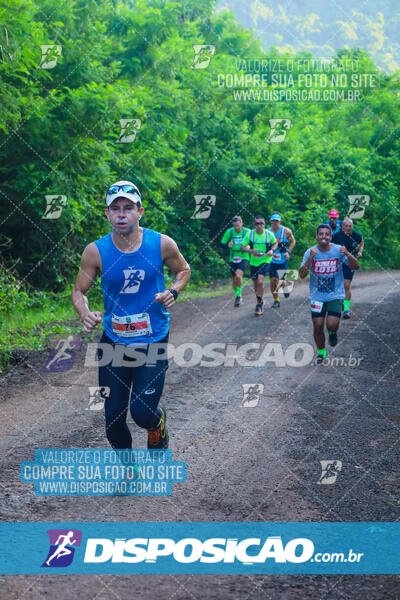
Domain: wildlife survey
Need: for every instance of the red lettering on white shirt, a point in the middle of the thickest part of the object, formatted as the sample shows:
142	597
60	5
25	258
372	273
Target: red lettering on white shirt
325	266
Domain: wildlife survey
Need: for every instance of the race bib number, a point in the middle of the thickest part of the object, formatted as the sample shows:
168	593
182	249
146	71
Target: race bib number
237	259
316	306
131	326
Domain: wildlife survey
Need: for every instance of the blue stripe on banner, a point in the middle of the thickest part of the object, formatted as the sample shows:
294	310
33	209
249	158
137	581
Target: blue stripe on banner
222	548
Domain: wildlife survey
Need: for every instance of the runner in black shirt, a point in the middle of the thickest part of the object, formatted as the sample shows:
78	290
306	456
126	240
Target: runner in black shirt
354	243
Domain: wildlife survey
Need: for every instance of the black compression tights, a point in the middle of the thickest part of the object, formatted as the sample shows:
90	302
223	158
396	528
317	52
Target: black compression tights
139	387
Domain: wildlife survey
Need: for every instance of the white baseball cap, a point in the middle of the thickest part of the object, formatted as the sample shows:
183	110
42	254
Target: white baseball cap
123	189
275	217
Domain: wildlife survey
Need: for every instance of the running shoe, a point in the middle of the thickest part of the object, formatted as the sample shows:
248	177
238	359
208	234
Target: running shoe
346	314
259	308
238	301
157	439
286	294
320	359
333	339
276	304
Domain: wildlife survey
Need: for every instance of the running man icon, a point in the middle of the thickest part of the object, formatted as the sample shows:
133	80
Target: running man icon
62	351
98	396
330	471
62	542
54	206
133	279
62	356
62	550
204	205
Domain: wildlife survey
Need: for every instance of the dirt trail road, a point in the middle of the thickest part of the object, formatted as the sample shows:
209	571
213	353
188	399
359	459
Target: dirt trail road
244	463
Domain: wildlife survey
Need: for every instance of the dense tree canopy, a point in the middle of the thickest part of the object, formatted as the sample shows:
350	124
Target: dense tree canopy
60	130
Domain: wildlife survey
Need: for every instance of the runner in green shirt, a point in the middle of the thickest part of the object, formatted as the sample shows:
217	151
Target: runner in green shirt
261	245
238	259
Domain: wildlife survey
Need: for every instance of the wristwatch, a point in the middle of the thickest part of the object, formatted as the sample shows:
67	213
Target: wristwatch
173	292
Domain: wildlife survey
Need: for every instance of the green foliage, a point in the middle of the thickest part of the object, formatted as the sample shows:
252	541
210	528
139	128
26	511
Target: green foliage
11	296
59	132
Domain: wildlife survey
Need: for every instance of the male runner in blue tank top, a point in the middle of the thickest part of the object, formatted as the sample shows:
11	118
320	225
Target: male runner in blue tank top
130	261
333	221
280	258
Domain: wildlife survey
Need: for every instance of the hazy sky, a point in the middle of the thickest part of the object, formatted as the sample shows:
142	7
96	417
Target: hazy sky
323	27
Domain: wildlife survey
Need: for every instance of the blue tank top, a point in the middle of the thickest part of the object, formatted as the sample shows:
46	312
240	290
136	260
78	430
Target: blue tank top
338	226
279	254
129	281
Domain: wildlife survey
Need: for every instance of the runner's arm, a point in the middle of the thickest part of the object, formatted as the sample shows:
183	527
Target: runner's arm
353	262
90	267
274	245
360	248
249	249
226	241
246	246
290	237
305	266
173	259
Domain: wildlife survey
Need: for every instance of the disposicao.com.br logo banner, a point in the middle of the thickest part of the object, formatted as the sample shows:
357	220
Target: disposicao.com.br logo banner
221	548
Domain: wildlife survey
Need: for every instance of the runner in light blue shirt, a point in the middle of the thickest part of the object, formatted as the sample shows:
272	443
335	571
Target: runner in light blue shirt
324	261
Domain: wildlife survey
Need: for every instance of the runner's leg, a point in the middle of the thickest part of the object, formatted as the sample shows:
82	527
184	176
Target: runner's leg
319	335
238	282
348	276
280	284
347	300
118	380
255	286
332	323
259	286
233	275
347	289
147	388
276	274
239	277
274	285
